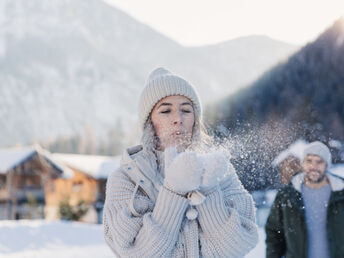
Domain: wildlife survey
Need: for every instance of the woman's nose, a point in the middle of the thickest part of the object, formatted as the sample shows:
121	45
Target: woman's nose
177	118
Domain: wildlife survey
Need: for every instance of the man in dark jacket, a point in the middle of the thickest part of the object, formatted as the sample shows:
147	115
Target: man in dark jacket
307	216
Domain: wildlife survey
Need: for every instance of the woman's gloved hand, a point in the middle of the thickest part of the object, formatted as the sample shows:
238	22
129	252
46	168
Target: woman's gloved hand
183	171
216	167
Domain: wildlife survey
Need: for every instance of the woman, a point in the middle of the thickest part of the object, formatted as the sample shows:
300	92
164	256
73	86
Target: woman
167	200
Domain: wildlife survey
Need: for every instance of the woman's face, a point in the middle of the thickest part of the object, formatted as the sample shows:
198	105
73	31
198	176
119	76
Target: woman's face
173	119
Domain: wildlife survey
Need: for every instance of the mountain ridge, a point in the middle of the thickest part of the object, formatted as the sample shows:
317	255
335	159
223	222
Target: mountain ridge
301	97
67	65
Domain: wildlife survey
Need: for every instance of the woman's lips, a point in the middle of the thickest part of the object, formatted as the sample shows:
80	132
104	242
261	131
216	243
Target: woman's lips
178	133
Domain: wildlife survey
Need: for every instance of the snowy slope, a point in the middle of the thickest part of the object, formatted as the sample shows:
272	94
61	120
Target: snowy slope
66	65
41	239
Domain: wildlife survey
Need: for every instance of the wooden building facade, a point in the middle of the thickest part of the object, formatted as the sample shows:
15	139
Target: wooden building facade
87	184
34	184
25	176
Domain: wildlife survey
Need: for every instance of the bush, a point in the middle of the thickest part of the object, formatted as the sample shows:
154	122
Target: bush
68	212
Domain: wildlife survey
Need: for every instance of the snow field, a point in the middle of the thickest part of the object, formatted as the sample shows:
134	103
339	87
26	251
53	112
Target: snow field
42	239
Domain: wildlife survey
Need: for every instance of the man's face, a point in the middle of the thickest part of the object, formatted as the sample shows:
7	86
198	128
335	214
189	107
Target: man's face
314	167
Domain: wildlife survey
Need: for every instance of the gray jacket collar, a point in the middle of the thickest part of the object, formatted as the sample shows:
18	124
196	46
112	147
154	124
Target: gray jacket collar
336	183
127	154
145	161
141	166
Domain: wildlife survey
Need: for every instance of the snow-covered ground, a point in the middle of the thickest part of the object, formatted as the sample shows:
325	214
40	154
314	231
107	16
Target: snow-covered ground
41	239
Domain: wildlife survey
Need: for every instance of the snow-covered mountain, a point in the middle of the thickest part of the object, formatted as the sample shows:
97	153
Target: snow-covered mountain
68	64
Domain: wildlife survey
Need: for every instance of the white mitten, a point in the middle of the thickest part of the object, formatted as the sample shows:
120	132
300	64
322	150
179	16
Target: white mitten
183	171
217	167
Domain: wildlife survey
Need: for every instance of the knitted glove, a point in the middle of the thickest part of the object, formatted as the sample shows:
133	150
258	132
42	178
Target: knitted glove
183	171
216	167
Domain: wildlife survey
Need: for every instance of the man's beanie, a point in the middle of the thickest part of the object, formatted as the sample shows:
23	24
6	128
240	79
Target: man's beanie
160	84
318	149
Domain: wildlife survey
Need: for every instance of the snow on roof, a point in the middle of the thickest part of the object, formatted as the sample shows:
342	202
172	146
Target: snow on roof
95	166
338	169
335	144
12	157
295	149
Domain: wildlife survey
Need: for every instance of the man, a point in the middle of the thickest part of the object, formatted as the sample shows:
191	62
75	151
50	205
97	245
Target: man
307	216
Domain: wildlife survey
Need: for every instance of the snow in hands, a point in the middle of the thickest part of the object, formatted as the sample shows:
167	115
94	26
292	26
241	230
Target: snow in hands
190	171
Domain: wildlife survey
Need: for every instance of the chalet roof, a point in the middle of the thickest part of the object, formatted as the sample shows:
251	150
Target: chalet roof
96	166
10	158
295	149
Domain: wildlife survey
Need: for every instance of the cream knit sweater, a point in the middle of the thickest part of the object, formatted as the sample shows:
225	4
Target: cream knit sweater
144	219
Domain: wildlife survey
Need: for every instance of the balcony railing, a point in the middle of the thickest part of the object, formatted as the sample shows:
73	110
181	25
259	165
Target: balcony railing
23	194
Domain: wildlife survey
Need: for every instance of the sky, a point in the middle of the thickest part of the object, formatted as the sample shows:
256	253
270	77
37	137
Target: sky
204	22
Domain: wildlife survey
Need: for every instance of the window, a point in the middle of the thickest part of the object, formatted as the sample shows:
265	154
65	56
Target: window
77	186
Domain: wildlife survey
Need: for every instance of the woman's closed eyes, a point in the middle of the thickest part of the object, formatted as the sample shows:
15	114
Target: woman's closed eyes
169	111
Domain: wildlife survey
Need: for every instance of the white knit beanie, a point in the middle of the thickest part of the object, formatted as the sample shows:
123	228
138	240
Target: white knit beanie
162	83
318	149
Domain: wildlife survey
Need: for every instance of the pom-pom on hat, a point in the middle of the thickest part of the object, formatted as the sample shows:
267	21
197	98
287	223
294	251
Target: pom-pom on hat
162	83
319	149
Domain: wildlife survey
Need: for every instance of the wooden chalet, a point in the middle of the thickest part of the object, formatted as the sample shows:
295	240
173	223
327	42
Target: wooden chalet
34	183
26	177
87	184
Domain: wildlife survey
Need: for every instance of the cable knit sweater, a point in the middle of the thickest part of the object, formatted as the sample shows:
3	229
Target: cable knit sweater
144	219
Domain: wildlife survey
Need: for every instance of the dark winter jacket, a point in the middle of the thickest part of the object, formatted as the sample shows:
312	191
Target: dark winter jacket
286	232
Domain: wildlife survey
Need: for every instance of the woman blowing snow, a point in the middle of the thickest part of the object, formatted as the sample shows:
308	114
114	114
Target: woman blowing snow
169	200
